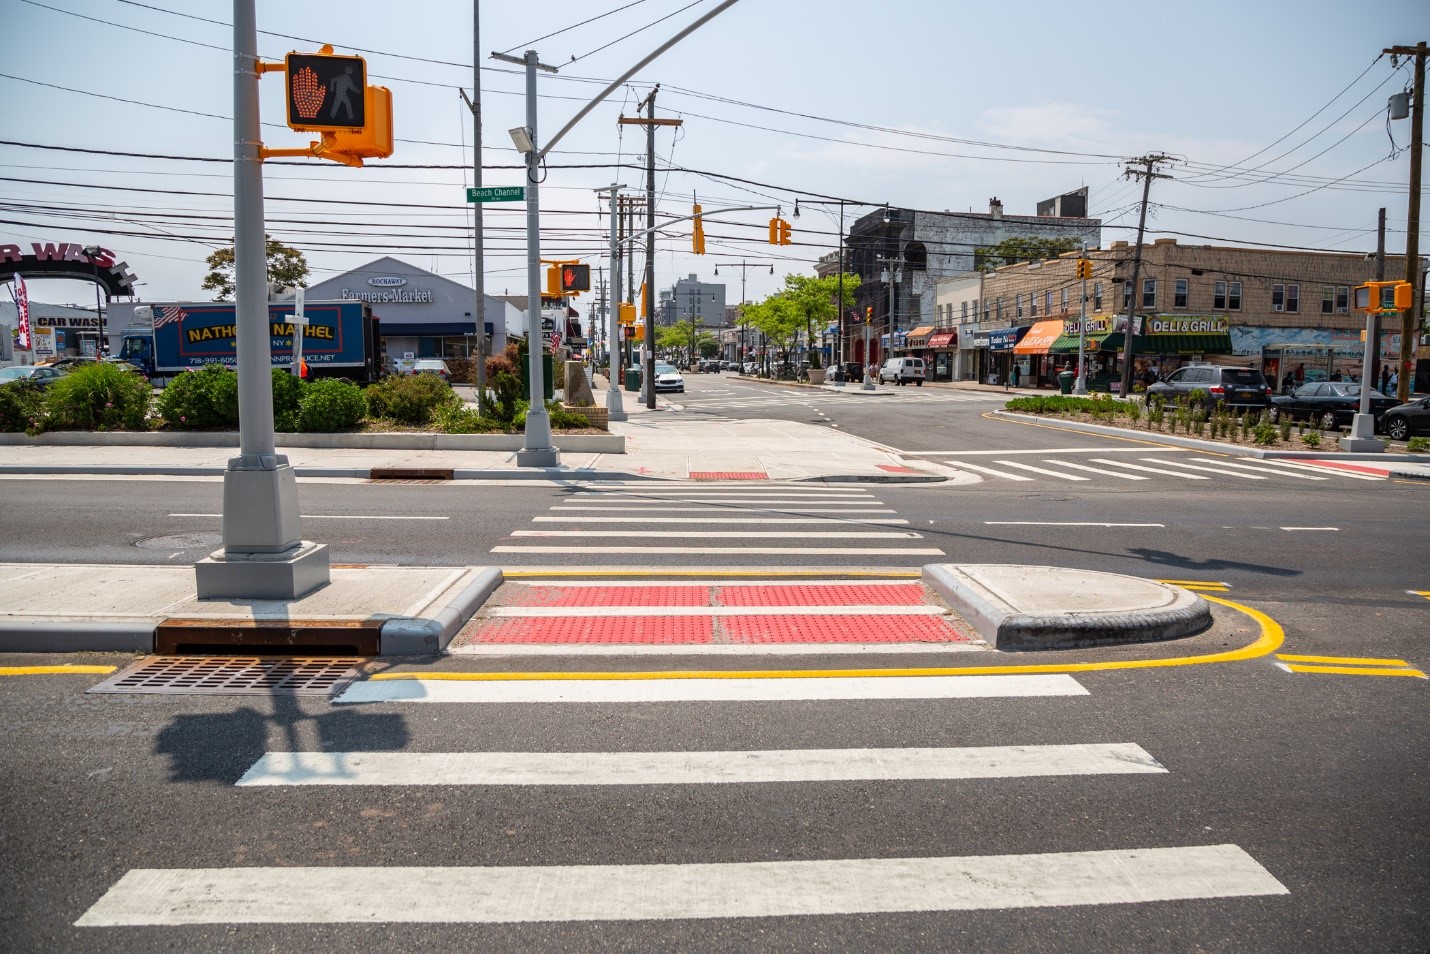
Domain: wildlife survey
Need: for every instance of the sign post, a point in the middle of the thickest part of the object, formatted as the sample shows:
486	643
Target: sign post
300	322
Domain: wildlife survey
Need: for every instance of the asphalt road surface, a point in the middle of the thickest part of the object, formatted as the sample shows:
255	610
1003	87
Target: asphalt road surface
1255	806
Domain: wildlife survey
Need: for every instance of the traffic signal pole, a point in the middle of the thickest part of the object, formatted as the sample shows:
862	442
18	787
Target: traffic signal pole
263	555
615	411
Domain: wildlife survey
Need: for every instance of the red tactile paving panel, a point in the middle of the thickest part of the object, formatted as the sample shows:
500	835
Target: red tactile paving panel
575	596
822	594
838	629
651	630
728	475
1359	468
896	469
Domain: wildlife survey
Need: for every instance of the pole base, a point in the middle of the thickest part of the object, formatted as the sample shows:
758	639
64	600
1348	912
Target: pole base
538	457
288	575
1362	439
615	407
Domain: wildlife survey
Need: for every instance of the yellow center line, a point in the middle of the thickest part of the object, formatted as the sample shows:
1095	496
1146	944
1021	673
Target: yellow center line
1355	671
1270	640
1345	660
56	670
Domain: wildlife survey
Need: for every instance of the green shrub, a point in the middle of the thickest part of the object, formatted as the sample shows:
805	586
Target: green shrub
504	386
410	399
1264	433
1311	438
22	407
330	405
199	399
1418	445
456	419
287	393
559	417
1285	430
99	396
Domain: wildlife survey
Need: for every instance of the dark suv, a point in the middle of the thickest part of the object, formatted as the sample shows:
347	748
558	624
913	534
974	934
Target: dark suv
1235	388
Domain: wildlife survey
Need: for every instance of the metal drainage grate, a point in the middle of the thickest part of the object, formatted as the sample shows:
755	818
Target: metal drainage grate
234	676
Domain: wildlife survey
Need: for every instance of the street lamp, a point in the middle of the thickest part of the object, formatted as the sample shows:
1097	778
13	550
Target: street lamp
102	346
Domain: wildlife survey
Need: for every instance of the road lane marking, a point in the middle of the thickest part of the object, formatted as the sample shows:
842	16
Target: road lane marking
327	516
783	510
692	687
1096	470
724	551
696	768
964	465
1258	470
1348	660
1051	450
1150	470
1349	671
1297	465
1041	470
1063	523
1295	529
736	534
1211	470
763	521
554	893
56	670
1346	666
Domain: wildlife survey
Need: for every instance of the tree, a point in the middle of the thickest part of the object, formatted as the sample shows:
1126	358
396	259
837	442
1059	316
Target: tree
779	318
814	297
286	266
1021	249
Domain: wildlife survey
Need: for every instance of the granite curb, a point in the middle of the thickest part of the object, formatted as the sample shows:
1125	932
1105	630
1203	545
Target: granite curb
1007	626
426	636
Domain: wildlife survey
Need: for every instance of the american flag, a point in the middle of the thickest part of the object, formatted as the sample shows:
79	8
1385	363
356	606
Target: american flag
165	314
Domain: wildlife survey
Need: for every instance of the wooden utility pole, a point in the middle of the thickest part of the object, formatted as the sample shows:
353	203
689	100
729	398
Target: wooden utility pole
1409	319
650	122
1146	174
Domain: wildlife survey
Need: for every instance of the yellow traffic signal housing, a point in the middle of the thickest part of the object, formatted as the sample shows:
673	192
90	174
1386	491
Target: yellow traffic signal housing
784	232
1384	296
325	92
775	231
697	240
1084	268
553	281
373	141
627	313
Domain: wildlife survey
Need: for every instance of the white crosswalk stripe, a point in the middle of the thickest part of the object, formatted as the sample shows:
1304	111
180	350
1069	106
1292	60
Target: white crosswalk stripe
1190	468
725	520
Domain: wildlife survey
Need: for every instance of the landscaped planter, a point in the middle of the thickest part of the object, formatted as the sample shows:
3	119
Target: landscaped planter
575	443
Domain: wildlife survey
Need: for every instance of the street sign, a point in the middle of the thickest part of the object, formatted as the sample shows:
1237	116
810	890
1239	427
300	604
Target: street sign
496	194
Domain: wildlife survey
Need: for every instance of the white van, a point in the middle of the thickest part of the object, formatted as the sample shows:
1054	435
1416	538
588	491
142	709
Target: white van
902	371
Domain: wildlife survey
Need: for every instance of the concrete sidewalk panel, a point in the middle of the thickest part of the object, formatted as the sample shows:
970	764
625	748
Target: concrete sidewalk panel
1043	607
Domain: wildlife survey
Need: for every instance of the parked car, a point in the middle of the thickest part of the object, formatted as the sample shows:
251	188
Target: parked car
68	363
1330	404
710	367
853	371
432	366
668	378
1405	420
40	375
1235	388
749	367
902	371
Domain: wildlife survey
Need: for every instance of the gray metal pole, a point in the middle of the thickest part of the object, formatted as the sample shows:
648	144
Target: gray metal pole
1082	334
615	410
479	279
536	446
648	379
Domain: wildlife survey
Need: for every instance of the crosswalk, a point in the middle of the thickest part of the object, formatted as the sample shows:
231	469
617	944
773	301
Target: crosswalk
719	400
631	522
781	874
1124	469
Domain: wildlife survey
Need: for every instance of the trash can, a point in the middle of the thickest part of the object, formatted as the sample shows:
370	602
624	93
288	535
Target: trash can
1065	381
633	379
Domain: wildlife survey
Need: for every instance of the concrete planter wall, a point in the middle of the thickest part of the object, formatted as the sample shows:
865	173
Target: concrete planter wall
575	443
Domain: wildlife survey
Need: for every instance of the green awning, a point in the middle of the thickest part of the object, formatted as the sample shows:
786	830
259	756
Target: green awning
1109	341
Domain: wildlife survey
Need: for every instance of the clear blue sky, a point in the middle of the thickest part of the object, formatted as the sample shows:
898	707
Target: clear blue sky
928	104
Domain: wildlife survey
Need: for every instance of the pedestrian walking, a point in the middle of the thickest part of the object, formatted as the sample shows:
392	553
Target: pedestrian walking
1300	375
1385	380
1013	375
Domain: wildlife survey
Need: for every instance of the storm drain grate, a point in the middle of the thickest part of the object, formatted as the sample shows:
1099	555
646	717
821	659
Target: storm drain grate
234	675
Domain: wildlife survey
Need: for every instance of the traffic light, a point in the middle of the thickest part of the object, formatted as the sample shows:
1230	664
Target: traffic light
627	313
1384	296
784	232
553	281
1084	268
868	314
325	92
775	231
698	238
575	278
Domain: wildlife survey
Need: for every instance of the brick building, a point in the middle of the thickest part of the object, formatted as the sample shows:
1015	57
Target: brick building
1271	308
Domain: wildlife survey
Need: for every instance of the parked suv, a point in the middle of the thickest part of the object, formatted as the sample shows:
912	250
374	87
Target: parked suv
902	371
1235	388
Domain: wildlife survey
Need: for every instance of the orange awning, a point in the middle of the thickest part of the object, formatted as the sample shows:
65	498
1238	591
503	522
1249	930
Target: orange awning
1040	337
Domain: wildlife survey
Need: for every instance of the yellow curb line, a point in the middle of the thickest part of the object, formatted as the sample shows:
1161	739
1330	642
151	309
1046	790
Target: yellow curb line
1345	660
55	670
1353	671
1271	638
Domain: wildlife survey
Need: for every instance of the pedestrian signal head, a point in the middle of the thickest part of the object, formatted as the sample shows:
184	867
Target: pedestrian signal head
575	278
325	92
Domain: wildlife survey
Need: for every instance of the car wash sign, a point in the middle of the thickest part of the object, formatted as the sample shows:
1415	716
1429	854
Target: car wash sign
67	260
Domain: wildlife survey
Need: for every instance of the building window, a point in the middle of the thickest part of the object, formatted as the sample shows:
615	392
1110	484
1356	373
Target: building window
1050	302
998	308
1343	299
1278	297
1328	299
985	309
1293	298
1126	295
1233	296
1179	299
1033	306
1219	295
1097	296
1018	305
1149	293
964	312
1065	299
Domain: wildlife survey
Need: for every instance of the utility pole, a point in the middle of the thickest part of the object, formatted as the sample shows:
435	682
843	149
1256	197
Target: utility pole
479	312
1409	319
1146	174
650	122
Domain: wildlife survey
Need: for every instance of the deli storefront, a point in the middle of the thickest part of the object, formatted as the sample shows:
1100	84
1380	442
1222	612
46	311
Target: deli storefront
1166	343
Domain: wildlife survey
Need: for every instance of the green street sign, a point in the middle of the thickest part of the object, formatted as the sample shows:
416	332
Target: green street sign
497	194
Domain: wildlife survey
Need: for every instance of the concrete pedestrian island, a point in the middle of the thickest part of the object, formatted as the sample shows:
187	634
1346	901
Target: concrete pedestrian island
1045	607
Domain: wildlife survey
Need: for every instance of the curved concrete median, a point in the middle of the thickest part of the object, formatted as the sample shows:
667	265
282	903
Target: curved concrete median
1045	607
